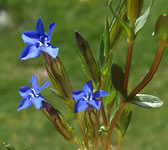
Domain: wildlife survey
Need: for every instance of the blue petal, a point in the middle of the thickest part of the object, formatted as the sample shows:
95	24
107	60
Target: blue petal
25	103
24	91
95	103
88	87
79	94
100	93
51	50
30	51
37	101
80	105
34	82
30	37
40	27
45	86
52	26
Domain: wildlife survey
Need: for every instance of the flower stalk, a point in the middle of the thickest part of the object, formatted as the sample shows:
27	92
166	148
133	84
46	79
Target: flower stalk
152	71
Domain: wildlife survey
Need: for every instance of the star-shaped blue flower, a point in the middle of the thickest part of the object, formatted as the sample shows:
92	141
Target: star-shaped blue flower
86	97
32	95
38	41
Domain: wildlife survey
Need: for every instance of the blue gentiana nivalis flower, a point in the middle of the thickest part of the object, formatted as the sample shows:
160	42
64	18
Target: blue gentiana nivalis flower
32	95
38	41
86	97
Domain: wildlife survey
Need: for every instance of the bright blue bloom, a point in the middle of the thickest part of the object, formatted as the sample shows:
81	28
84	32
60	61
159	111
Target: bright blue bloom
86	97
32	95
38	41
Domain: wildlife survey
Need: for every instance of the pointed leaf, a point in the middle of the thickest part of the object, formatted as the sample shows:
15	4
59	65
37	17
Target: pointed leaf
123	23
140	22
106	38
101	52
146	101
107	67
116	30
124	121
118	78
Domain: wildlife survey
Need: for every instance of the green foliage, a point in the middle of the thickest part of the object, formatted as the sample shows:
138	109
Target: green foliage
140	22
146	101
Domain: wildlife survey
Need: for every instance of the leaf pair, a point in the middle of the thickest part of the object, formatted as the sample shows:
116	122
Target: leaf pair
142	100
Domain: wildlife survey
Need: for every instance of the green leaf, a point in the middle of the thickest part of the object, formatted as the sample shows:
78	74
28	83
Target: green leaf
117	104
109	101
118	78
124	121
87	59
140	22
107	67
101	52
116	30
146	101
106	38
123	23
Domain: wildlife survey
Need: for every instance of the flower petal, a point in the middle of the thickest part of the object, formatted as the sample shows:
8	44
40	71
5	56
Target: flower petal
80	105
88	87
40	27
24	91
37	101
25	103
52	26
30	37
30	51
51	50
100	93
95	103
34	82
45	86
78	94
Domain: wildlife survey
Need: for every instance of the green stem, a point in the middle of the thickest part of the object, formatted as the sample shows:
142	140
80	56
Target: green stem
128	64
112	126
152	71
120	142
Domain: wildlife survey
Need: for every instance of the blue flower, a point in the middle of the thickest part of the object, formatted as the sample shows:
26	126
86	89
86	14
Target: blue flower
38	41
86	97
32	95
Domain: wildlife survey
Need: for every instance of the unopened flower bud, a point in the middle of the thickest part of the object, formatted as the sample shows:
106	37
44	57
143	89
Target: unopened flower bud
161	27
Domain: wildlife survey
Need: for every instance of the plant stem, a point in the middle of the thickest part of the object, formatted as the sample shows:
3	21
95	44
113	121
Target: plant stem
102	105
104	115
101	141
80	122
121	108
128	64
120	142
95	143
152	71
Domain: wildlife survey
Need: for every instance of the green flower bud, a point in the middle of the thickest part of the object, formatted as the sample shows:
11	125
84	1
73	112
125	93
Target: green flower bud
161	27
59	78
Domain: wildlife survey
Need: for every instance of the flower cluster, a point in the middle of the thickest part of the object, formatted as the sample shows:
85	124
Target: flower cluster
39	41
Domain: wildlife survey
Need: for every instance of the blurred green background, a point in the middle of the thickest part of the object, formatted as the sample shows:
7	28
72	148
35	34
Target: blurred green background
29	128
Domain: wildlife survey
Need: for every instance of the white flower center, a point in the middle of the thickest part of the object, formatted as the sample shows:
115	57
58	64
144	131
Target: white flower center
34	94
88	97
